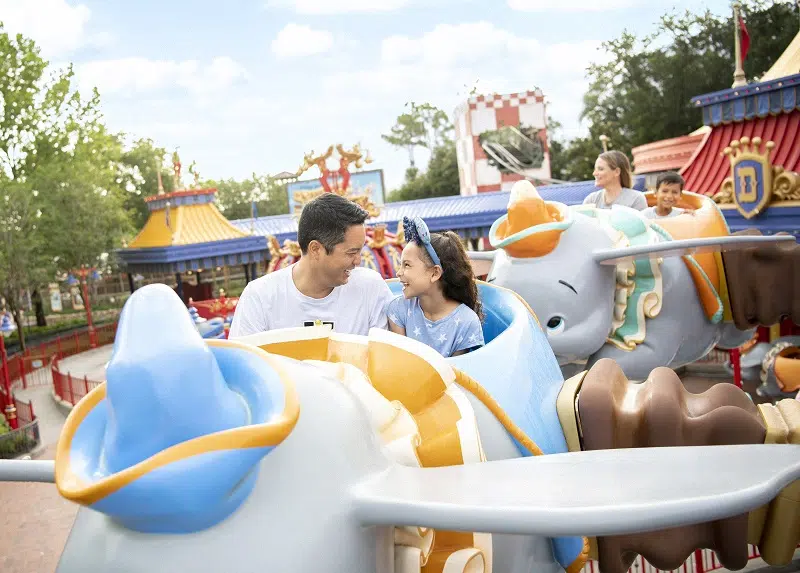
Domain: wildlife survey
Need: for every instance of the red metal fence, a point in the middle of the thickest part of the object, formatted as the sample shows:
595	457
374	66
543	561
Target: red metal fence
33	366
70	389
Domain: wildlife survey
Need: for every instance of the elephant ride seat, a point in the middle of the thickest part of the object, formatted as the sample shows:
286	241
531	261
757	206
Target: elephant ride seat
701	219
420	405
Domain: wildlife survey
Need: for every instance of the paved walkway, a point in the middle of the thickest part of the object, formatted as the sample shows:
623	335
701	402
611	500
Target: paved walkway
50	417
34	524
91	363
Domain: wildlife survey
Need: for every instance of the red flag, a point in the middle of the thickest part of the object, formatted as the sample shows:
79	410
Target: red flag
745	39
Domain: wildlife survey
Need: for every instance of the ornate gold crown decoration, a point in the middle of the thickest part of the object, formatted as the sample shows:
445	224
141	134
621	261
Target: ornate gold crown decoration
337	181
744	148
754	182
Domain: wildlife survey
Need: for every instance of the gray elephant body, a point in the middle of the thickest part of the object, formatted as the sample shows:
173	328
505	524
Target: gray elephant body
332	448
572	294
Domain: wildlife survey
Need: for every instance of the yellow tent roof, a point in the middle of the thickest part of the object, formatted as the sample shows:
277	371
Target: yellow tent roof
185	225
788	64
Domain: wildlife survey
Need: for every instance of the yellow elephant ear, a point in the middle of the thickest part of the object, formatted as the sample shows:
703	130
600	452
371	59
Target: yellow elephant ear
532	227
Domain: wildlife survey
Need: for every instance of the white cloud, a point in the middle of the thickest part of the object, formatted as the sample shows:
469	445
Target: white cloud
571	5
448	44
439	67
319	7
56	26
297	41
137	75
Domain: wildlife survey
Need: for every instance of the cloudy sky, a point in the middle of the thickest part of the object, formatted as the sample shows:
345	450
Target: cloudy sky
253	85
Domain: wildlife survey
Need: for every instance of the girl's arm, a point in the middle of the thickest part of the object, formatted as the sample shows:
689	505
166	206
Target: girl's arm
396	313
398	329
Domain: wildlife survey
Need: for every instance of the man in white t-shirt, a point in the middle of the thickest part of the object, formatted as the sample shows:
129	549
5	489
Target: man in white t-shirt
327	285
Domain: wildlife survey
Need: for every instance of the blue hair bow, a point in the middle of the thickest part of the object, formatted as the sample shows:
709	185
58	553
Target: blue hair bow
416	230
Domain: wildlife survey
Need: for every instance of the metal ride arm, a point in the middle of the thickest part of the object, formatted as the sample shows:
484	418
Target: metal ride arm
27	470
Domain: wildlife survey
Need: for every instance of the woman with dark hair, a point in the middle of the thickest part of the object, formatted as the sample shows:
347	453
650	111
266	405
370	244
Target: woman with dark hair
612	174
439	305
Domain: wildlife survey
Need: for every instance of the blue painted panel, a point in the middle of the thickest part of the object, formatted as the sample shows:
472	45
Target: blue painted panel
727	112
775	219
750	106
763	105
716	114
790	99
739	109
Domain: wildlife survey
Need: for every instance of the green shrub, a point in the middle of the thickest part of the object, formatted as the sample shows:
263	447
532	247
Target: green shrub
13	444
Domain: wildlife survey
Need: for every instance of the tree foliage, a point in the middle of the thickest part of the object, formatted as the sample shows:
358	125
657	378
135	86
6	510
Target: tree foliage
59	173
424	125
440	179
141	164
642	93
235	198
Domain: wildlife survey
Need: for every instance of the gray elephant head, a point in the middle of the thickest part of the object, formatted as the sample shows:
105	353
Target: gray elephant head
545	255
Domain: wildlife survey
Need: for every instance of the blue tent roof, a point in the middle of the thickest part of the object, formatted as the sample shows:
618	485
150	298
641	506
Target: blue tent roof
468	215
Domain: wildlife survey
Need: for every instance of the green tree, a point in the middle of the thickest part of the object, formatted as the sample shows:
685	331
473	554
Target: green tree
642	94
407	132
84	214
440	179
235	198
424	125
139	172
58	173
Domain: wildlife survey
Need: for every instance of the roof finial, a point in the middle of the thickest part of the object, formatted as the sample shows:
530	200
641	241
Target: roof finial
742	44
193	171
176	166
158	174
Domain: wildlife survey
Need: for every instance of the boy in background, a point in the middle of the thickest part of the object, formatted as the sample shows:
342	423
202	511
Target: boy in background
669	187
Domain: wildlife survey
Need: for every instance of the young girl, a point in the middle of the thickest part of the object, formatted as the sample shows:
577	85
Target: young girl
439	305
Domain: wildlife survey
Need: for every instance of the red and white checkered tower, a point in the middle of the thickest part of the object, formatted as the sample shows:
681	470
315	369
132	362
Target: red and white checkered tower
481	114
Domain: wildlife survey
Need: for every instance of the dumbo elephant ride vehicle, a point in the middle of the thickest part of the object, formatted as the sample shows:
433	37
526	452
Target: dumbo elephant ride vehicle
610	283
305	450
774	365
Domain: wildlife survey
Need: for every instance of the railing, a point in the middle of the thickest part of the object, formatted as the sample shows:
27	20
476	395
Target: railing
67	388
33	366
20	441
25	413
29	368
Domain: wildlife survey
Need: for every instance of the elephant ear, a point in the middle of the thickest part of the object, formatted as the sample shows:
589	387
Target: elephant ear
602	492
685	247
481	261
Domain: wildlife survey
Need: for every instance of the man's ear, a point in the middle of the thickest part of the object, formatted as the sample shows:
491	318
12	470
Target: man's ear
315	249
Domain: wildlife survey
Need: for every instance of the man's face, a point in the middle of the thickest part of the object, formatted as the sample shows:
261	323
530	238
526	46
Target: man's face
335	267
668	195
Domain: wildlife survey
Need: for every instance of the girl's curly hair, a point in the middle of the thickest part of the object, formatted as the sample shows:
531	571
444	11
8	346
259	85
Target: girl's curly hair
458	280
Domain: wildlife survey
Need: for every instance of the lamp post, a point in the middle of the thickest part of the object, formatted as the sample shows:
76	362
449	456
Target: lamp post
604	140
84	272
6	328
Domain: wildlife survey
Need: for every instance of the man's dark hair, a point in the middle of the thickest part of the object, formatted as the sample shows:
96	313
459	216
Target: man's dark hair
670	177
326	219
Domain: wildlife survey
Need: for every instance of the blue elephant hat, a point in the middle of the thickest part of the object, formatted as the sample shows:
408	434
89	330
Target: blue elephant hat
170	441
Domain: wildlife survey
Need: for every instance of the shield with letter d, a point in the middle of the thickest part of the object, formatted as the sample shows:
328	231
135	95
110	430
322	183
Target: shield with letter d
752	185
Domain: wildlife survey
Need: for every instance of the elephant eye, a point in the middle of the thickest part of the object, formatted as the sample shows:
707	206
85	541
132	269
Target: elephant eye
555	325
